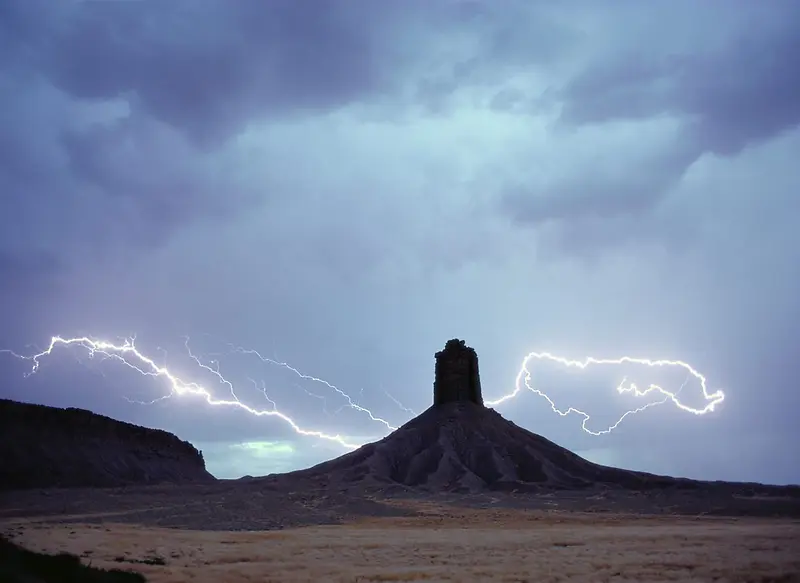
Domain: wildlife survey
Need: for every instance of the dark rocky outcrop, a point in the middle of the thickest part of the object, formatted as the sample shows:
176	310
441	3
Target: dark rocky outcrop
459	445
44	447
456	375
464	447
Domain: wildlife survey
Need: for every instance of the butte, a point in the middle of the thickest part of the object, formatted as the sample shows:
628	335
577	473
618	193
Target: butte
459	445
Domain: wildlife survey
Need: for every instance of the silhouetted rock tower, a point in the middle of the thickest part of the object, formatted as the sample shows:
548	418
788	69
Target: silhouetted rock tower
457	377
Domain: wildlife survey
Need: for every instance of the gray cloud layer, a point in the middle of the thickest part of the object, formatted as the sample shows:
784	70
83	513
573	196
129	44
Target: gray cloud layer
720	98
349	184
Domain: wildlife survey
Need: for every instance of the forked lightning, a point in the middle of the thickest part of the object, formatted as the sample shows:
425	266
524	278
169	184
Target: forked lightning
524	381
129	355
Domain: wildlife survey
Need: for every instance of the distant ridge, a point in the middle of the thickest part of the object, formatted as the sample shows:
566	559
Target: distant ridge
46	447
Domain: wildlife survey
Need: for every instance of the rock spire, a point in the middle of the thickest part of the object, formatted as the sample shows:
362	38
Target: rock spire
456	375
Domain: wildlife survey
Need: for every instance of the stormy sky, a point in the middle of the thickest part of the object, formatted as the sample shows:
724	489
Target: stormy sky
345	185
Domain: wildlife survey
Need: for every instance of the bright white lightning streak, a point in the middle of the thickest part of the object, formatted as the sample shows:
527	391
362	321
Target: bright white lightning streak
399	404
350	402
319	398
524	378
263	389
130	356
148	367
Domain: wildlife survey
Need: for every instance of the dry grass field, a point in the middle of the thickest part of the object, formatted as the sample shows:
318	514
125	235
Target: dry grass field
445	545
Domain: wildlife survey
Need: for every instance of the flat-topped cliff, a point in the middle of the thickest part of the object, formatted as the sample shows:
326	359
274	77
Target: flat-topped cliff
46	447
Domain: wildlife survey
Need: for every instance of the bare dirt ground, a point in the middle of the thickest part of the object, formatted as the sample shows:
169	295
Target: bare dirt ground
234	533
446	545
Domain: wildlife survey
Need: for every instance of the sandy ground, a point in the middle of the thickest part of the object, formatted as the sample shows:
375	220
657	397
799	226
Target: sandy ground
447	544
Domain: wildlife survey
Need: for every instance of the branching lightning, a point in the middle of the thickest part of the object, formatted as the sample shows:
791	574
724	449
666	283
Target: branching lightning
523	380
130	356
350	402
263	389
399	404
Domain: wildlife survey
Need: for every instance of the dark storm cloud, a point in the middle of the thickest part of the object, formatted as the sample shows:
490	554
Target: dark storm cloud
604	195
730	98
82	172
209	67
24	270
24	25
124	163
29	278
499	47
725	99
114	113
100	187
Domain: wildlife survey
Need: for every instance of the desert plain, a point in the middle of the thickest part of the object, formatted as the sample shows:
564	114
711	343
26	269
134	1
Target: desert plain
244	533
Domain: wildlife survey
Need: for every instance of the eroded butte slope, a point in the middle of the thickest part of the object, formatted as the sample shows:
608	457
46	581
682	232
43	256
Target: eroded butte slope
465	447
459	445
46	447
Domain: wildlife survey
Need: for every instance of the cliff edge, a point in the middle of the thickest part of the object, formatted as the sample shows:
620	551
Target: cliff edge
49	447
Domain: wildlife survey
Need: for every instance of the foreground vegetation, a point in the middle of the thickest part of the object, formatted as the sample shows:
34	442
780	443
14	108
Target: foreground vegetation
19	565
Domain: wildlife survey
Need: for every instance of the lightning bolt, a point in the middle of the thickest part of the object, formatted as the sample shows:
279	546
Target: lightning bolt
319	398
129	355
263	389
523	380
399	404
350	402
233	349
